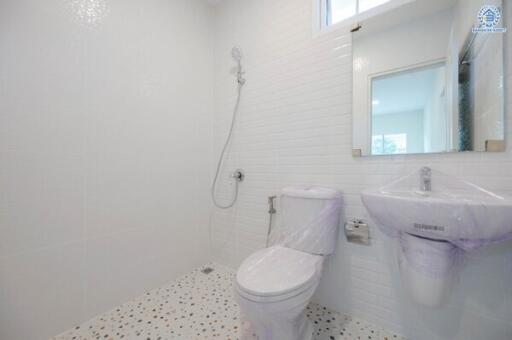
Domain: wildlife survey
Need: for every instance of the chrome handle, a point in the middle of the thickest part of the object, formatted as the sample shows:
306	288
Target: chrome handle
426	179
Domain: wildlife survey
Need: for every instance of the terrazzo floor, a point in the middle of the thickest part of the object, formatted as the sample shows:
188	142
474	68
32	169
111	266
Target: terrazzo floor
201	306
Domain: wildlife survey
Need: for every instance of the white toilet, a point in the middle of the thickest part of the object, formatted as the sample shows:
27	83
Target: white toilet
274	285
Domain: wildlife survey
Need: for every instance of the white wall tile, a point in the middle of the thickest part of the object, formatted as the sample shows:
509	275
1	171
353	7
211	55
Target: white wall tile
43	291
105	151
41	203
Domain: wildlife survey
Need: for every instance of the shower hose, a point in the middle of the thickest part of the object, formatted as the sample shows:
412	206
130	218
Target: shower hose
223	153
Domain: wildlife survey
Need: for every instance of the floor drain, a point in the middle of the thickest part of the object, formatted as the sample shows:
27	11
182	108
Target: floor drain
207	270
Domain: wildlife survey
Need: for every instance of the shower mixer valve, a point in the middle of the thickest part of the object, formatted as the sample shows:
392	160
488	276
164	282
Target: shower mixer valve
238	175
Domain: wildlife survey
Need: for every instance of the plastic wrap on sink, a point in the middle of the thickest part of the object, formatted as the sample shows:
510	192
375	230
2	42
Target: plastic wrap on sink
430	257
437	223
454	210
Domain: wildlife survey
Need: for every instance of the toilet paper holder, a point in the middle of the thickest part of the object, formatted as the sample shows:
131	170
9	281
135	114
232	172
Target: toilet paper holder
357	231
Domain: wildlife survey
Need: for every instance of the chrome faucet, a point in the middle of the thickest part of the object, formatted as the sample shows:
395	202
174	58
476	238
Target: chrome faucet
426	179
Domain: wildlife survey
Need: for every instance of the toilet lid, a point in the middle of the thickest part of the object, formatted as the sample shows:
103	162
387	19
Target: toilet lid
277	271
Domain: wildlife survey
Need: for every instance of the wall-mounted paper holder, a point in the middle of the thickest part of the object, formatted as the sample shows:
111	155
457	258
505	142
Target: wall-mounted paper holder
357	231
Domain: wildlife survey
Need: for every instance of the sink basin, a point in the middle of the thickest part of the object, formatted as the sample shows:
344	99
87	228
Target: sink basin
435	218
454	210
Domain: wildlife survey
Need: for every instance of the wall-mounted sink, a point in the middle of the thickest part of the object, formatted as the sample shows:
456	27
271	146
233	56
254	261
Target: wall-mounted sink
452	210
435	218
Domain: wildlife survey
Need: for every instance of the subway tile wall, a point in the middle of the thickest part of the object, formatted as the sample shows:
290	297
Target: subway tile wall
295	127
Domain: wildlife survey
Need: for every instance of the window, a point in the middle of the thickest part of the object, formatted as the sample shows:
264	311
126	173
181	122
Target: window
389	144
340	10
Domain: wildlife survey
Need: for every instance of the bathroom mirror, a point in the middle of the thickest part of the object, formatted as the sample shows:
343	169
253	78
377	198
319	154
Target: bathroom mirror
428	78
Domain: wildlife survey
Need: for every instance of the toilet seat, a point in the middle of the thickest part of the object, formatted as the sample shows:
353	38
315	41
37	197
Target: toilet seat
277	273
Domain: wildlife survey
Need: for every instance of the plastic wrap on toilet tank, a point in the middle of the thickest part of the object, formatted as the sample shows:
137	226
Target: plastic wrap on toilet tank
274	285
308	219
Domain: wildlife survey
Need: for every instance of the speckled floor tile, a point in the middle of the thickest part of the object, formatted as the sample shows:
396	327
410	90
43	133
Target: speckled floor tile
201	306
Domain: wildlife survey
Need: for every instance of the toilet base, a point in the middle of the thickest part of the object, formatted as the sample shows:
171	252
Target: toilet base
310	331
281	320
277	332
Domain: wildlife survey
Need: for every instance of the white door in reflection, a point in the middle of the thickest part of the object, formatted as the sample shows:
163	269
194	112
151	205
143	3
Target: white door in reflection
409	113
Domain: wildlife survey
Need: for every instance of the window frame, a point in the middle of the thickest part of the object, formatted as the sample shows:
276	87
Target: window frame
321	15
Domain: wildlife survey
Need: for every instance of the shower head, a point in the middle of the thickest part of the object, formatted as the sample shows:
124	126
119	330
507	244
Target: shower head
236	53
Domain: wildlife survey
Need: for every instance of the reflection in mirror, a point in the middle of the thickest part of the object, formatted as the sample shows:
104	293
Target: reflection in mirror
408	111
429	79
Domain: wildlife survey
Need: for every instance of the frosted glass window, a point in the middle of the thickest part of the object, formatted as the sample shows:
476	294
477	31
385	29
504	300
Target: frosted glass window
365	5
339	10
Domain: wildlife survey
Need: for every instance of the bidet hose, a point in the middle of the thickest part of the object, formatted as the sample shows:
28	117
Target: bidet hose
222	154
269	231
271	212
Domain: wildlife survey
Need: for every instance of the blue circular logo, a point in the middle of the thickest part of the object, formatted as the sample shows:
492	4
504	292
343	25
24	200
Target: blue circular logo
489	16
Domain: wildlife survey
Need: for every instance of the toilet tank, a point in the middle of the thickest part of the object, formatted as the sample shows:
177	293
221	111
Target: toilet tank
308	219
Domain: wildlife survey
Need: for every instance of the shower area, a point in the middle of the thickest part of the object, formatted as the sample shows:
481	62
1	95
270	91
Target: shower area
105	155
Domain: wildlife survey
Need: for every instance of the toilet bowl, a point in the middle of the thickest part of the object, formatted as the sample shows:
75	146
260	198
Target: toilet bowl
274	285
